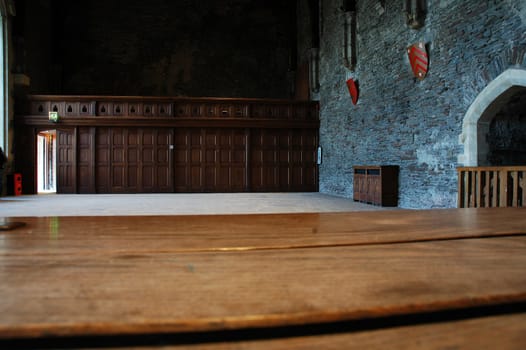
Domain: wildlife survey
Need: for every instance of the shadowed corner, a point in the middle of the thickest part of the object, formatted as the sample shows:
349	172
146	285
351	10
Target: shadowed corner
6	224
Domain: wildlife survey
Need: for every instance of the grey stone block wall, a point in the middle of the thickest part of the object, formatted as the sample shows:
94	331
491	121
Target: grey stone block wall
398	119
235	48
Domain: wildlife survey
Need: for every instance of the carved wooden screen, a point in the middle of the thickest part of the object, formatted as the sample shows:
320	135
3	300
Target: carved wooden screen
119	144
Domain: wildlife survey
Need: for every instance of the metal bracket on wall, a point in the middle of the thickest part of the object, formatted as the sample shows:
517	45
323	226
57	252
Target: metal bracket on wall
415	11
314	69
349	40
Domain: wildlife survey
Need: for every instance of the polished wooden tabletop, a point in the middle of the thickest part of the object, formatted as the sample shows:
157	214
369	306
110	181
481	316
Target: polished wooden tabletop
115	276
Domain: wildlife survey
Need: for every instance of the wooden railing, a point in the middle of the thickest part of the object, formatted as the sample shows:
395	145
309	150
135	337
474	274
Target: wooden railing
491	186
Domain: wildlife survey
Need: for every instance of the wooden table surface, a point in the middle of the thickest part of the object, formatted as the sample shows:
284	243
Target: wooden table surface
66	277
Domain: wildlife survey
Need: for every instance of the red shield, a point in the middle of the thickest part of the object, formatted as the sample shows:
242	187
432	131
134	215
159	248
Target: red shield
418	59
353	90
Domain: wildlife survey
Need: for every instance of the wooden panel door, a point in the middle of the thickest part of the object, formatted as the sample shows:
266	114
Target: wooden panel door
210	160
155	164
284	160
310	160
181	160
132	149
264	160
66	161
238	167
212	181
188	160
284	153
225	160
164	178
303	160
133	160
103	152
147	164
118	166
86	164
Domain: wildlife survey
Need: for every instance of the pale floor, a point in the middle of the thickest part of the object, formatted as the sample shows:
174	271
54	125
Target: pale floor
175	204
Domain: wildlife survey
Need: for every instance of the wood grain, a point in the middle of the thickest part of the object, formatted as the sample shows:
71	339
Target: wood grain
209	233
96	276
176	292
506	332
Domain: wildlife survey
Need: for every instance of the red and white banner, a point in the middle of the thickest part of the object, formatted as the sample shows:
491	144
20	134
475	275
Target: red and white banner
418	59
353	90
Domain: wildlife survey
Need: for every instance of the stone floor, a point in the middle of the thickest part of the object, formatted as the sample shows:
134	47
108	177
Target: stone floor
176	204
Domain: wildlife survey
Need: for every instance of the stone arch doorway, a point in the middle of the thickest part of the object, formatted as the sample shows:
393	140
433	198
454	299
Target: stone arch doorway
477	120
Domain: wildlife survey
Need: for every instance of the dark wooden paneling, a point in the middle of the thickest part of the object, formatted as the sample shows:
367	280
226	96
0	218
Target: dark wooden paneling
224	163
155	163
85	162
189	159
66	161
118	161
210	160
264	160
166	144
133	160
163	161
103	160
284	160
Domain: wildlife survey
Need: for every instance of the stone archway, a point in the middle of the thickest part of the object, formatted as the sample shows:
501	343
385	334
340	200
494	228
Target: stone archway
478	117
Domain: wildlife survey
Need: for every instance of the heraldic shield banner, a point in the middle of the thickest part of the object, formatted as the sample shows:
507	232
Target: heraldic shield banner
418	59
353	90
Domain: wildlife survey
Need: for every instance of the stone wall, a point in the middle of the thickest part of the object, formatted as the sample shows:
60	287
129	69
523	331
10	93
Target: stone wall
399	119
33	50
230	48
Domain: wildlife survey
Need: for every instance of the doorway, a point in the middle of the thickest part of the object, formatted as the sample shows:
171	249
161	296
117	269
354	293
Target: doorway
508	86
46	161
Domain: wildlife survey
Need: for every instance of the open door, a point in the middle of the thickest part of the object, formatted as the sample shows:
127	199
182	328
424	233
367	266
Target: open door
46	161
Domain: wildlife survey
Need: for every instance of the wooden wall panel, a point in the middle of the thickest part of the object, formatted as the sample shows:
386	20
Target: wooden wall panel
163	164
182	158
303	166
118	160
66	161
85	161
284	160
132	174
148	160
239	172
210	160
162	144
134	160
264	160
103	160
